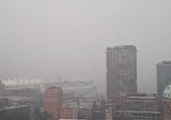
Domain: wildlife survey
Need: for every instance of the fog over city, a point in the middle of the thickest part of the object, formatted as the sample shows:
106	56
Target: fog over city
68	38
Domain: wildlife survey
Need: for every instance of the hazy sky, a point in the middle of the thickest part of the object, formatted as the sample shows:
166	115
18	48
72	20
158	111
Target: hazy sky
68	38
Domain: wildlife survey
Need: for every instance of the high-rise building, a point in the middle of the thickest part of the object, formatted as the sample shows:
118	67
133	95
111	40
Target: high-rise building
53	98
163	76
121	71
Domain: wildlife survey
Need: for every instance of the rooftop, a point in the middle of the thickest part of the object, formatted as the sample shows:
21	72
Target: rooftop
122	47
16	107
140	96
164	63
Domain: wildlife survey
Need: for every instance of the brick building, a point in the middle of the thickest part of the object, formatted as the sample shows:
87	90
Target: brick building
53	98
167	103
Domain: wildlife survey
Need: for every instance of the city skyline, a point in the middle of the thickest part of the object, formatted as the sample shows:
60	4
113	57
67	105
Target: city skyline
85	59
61	44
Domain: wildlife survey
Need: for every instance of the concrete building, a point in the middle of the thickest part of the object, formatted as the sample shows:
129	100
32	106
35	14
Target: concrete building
23	100
163	76
81	108
53	98
109	114
13	111
98	110
139	107
84	113
121	71
139	102
3	102
167	103
25	95
19	112
138	115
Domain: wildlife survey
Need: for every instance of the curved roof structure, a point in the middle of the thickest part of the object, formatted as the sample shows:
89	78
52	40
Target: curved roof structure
15	83
73	88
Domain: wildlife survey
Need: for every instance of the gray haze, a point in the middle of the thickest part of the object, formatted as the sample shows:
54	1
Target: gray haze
68	38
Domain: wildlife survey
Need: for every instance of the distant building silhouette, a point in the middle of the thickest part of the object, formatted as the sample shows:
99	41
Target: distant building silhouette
163	76
121	71
2	89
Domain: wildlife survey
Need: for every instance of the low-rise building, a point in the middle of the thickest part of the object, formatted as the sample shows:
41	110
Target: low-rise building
76	109
138	115
67	113
98	110
138	106
84	113
19	112
139	102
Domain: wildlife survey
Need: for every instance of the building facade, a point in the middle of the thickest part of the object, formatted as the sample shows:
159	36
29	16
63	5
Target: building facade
166	109
98	110
121	71
139	106
67	113
163	76
139	102
2	89
138	115
166	104
20	112
53	98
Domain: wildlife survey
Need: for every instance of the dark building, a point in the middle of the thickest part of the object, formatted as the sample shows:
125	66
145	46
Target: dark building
121	71
2	89
84	113
163	76
23	95
13	112
98	110
20	112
